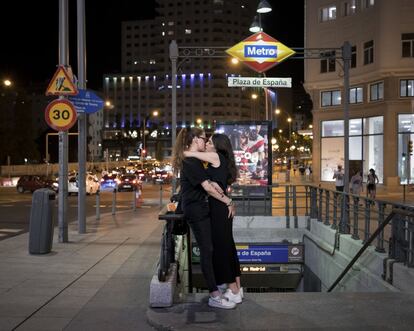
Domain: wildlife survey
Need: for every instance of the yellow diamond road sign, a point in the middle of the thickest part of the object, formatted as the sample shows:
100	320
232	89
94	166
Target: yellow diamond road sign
61	83
260	51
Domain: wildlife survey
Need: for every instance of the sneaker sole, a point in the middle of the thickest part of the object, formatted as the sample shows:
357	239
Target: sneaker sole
220	306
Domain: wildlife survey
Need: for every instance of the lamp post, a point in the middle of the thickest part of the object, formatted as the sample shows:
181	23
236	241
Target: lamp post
155	113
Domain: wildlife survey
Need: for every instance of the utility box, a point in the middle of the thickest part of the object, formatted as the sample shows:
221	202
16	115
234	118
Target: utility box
42	221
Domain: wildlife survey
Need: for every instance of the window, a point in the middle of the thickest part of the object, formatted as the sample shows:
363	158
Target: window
350	7
376	91
187	31
330	98
368	3
407	44
356	95
353	57
328	63
369	52
333	128
407	88
328	13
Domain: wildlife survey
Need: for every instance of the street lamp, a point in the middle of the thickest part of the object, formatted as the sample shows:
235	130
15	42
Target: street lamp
7	82
155	113
290	126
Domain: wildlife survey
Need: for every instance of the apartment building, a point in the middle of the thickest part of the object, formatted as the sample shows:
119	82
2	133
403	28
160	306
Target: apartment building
381	94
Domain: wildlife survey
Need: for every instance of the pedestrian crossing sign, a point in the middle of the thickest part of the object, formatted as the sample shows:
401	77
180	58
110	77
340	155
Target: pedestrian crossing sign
62	83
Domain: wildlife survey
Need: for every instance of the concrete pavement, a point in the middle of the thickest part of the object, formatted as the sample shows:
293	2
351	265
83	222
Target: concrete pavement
97	281
100	281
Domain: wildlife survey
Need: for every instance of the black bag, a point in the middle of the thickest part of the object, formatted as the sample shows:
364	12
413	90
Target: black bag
180	226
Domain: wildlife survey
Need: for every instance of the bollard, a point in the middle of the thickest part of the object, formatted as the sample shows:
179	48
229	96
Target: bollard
134	205
98	203
160	195
114	202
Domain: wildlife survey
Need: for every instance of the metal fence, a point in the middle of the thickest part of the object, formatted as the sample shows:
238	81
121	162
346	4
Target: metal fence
349	214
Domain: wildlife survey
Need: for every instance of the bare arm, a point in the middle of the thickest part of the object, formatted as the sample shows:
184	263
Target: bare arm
210	189
209	157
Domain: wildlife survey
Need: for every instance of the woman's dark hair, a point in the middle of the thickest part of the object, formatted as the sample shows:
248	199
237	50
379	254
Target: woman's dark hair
183	142
223	146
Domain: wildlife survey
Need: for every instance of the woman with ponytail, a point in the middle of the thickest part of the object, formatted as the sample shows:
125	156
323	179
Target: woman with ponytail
222	170
195	189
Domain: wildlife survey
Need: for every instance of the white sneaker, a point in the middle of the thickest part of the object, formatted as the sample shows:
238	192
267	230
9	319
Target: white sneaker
221	302
236	298
222	288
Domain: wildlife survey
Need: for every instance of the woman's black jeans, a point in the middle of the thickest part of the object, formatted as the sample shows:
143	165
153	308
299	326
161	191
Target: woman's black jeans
198	218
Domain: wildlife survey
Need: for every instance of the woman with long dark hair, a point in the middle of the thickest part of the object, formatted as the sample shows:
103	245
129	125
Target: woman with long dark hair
195	189
222	170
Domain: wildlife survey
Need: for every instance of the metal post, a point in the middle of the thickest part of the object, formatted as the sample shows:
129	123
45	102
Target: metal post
82	117
287	207
173	58
98	203
355	234
134	203
114	201
160	195
63	135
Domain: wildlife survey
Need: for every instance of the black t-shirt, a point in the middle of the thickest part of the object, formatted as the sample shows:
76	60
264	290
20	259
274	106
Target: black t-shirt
192	175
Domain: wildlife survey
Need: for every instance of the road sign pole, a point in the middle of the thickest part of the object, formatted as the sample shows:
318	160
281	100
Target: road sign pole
173	58
82	118
63	136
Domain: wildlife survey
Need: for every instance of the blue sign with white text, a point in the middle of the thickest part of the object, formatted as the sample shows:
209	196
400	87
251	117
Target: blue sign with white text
87	101
262	253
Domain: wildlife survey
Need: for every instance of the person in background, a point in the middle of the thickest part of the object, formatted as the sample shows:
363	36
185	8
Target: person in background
222	170
372	181
195	189
356	183
339	179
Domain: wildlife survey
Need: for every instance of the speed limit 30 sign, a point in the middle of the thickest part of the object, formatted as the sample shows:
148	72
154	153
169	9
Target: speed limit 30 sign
60	114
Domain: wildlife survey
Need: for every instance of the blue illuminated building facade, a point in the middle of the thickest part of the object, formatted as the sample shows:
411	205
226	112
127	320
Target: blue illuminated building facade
144	86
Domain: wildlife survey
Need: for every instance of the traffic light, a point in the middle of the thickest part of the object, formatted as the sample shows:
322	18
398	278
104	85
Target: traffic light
410	147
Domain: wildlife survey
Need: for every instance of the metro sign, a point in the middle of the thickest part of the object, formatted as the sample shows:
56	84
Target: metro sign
260	51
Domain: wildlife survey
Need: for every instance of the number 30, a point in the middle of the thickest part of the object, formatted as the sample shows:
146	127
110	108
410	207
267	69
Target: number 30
64	114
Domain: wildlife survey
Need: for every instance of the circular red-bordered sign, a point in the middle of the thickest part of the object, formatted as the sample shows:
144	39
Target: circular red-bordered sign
60	114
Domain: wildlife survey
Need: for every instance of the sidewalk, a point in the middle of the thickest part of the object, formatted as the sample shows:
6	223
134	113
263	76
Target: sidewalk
100	281
97	281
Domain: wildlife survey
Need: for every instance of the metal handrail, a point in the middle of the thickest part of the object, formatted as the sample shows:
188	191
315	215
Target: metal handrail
377	232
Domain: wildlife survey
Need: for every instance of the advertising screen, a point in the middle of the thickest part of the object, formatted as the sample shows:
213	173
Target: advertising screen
250	142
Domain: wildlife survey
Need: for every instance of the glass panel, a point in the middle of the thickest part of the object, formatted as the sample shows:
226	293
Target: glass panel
336	97
373	125
406	123
403	88
355	127
332	155
332	128
355	148
410	88
373	156
360	94
326	99
381	91
405	161
352	95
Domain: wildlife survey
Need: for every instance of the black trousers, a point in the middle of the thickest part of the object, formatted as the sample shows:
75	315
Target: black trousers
198	218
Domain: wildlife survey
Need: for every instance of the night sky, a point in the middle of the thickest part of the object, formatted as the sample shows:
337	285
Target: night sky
29	37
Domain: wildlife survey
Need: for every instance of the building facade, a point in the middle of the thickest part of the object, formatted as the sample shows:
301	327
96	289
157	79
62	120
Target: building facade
144	87
381	94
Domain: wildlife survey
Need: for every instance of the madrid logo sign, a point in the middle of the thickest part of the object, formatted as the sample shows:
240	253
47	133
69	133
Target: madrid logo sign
260	52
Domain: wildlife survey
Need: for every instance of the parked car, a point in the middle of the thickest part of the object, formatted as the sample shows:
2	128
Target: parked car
32	183
128	182
92	184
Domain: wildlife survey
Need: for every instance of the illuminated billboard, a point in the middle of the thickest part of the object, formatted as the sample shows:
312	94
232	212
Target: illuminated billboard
252	152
